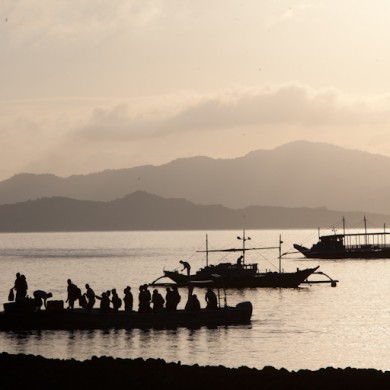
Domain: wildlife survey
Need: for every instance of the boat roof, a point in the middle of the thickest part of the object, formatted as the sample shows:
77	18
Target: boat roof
237	249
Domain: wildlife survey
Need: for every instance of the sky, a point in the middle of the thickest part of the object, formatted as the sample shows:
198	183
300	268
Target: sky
92	85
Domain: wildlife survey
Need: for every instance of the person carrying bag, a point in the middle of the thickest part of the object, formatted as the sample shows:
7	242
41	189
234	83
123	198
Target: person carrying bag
11	295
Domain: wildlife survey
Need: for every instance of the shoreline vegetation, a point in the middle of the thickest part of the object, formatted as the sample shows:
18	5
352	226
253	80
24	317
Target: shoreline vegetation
28	371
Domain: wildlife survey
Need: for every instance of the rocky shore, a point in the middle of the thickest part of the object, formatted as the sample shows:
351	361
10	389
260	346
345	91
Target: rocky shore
30	372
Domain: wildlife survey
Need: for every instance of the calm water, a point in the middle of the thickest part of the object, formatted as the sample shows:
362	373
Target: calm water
310	327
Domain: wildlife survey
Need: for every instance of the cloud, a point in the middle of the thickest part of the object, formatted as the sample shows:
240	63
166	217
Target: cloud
36	23
286	105
66	137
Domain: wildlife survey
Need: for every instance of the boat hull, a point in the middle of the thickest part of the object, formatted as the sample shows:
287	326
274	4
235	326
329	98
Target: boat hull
95	319
266	279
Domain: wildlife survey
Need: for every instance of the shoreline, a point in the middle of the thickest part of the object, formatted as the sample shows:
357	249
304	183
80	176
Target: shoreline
29	371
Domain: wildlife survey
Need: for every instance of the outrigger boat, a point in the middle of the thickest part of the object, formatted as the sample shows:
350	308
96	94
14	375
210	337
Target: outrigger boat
22	315
365	245
242	275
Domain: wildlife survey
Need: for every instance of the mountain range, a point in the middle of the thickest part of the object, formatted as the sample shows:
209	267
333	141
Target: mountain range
143	211
298	174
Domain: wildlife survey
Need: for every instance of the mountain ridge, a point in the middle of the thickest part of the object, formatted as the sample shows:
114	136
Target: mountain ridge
298	174
143	211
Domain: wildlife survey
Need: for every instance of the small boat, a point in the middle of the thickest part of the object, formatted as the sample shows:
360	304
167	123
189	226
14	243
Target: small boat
240	274
64	319
364	245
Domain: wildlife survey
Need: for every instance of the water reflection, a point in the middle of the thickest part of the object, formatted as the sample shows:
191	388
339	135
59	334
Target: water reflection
291	328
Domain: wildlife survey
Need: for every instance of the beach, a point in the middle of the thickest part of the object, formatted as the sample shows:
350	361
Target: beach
29	371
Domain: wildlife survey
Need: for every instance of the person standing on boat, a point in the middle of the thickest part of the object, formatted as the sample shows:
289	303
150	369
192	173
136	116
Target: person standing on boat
148	295
104	302
17	286
20	287
90	294
74	293
211	299
116	301
170	300
157	300
186	266
128	299
176	296
143	300
193	303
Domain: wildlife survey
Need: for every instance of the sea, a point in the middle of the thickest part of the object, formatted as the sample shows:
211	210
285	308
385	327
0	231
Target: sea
310	327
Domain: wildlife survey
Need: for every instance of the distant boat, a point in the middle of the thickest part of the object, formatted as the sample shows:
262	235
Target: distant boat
242	275
365	245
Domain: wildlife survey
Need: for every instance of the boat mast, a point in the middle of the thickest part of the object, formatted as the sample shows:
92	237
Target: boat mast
344	226
365	229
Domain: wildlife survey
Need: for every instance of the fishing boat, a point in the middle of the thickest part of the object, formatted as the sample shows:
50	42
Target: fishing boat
242	275
24	317
363	245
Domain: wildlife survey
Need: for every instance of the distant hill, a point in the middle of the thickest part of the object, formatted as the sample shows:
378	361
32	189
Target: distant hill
142	211
299	174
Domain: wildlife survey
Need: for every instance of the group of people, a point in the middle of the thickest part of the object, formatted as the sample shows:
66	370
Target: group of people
20	287
147	301
110	300
155	301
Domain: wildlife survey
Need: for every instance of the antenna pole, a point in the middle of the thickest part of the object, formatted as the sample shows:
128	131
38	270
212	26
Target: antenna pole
207	250
280	253
243	246
243	238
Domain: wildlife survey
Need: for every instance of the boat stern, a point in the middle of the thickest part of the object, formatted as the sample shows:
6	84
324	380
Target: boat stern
246	308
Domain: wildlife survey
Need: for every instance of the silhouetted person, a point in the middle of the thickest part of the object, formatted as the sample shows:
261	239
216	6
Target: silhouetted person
104	303
128	299
193	303
186	266
74	293
148	294
116	301
20	287
176	296
40	298
143	300
24	286
16	286
140	298
211	299
108	294
169	300
157	300
90	295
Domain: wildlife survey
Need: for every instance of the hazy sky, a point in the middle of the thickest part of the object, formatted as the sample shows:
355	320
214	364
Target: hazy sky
92	85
